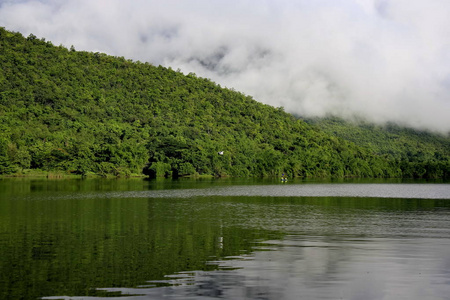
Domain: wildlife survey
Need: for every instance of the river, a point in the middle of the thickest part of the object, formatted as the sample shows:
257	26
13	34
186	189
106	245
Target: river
224	239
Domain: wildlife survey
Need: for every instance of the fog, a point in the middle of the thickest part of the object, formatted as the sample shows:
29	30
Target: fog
384	61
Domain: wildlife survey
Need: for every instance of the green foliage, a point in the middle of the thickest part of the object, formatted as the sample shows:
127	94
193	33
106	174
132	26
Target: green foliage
83	113
414	153
6	166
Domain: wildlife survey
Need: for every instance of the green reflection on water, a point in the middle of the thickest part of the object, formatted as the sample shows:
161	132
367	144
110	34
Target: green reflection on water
70	245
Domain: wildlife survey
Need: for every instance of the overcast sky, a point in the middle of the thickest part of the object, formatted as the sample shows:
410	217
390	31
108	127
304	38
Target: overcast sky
378	59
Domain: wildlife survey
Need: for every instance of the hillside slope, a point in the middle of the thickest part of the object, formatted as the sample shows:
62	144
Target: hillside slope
418	153
82	112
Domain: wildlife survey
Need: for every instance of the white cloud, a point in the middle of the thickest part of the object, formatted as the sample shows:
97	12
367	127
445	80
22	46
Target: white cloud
383	60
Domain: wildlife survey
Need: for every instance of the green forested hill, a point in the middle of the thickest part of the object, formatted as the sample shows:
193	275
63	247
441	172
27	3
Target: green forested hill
82	112
418	153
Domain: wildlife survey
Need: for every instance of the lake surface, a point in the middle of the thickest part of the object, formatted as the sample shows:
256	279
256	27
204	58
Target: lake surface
224	239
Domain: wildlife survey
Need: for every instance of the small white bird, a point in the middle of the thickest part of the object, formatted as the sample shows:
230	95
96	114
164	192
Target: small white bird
220	153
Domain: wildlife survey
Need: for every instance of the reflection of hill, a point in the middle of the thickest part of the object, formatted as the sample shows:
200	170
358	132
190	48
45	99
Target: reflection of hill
330	248
71	245
72	237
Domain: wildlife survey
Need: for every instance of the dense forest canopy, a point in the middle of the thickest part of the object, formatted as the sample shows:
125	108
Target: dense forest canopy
81	113
418	153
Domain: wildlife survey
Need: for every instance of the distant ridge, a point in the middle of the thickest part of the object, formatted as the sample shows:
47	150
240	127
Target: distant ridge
417	150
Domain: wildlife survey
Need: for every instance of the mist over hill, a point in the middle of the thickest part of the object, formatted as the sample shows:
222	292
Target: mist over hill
384	61
82	112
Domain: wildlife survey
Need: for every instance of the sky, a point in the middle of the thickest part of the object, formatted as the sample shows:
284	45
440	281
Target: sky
377	60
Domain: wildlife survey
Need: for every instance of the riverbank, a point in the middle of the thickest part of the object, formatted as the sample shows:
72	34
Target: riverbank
35	173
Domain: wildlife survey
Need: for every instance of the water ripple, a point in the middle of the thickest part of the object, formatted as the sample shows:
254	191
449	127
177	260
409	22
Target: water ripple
407	191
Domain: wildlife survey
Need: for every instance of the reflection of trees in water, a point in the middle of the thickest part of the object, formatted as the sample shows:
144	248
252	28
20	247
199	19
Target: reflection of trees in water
227	247
327	267
75	245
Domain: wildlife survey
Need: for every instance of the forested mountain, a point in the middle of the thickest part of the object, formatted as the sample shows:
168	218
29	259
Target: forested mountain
81	112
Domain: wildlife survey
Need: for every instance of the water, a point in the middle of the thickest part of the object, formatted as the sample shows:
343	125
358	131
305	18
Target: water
226	239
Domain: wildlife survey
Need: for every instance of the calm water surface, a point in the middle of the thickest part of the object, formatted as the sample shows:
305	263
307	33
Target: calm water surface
226	239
